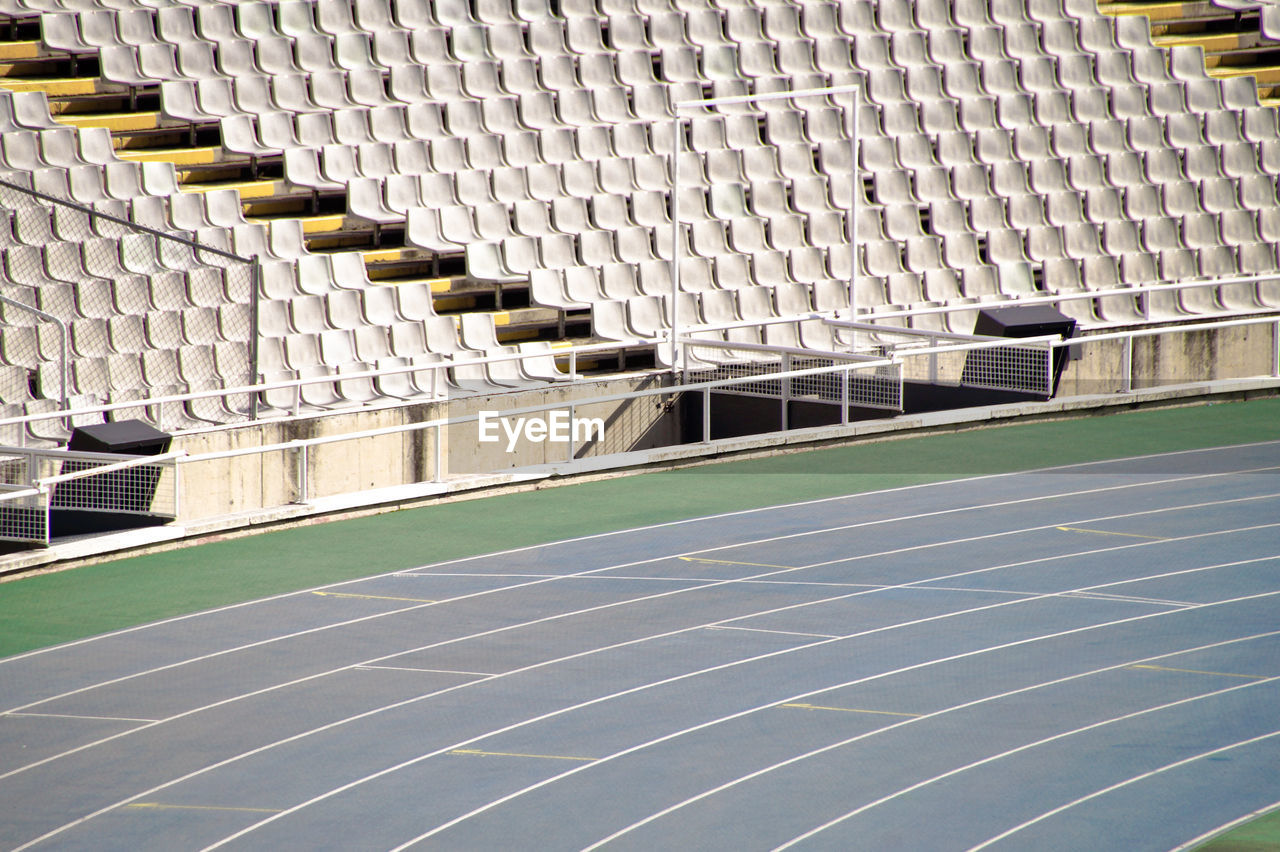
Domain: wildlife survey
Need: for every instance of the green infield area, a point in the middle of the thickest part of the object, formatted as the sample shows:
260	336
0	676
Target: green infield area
41	610
1259	835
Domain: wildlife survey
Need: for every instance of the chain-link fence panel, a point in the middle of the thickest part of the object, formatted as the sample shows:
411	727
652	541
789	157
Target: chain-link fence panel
826	377
148	313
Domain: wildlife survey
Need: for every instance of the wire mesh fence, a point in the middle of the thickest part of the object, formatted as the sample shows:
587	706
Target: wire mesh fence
1025	369
36	483
149	309
839	378
946	358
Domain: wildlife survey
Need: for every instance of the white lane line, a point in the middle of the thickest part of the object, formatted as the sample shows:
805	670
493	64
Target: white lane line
1039	528
532	667
713	518
375	660
1013	751
644	598
779	632
800	697
625	752
751	776
406	702
1225	827
428	671
516	586
549	618
78	716
1135	779
574	540
1138	599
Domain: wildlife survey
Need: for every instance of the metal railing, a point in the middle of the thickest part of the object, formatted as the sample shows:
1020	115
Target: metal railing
34	484
27	498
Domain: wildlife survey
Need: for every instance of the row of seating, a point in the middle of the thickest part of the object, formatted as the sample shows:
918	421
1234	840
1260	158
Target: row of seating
1039	137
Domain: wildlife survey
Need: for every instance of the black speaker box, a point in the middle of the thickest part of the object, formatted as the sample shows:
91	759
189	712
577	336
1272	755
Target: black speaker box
1024	321
119	491
126	437
1019	321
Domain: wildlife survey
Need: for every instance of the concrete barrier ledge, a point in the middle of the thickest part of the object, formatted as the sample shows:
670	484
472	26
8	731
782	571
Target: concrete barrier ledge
88	549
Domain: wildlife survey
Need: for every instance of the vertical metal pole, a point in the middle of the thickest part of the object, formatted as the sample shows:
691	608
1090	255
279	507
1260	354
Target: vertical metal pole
1049	352
254	377
844	396
675	233
1275	348
706	415
46	498
62	367
177	488
786	391
573	364
853	204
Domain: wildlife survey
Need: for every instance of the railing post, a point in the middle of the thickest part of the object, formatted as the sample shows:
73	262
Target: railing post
676	149
1275	348
1048	370
844	396
706	415
177	489
255	289
785	391
47	499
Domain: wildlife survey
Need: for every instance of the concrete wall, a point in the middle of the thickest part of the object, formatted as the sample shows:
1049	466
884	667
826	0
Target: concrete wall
1172	359
638	424
252	482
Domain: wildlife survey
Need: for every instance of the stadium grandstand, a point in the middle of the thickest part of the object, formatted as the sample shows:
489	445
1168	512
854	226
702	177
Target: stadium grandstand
218	213
845	284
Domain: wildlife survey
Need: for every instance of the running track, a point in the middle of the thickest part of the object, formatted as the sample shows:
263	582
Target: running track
1080	658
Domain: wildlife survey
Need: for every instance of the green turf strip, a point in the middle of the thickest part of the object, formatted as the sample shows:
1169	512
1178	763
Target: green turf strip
42	610
1260	835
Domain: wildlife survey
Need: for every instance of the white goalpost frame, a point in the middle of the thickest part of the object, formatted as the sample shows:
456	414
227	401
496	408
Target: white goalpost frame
677	149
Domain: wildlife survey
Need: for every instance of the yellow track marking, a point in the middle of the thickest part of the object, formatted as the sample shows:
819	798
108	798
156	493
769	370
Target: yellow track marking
731	562
477	753
1109	532
851	710
371	597
160	806
1198	671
